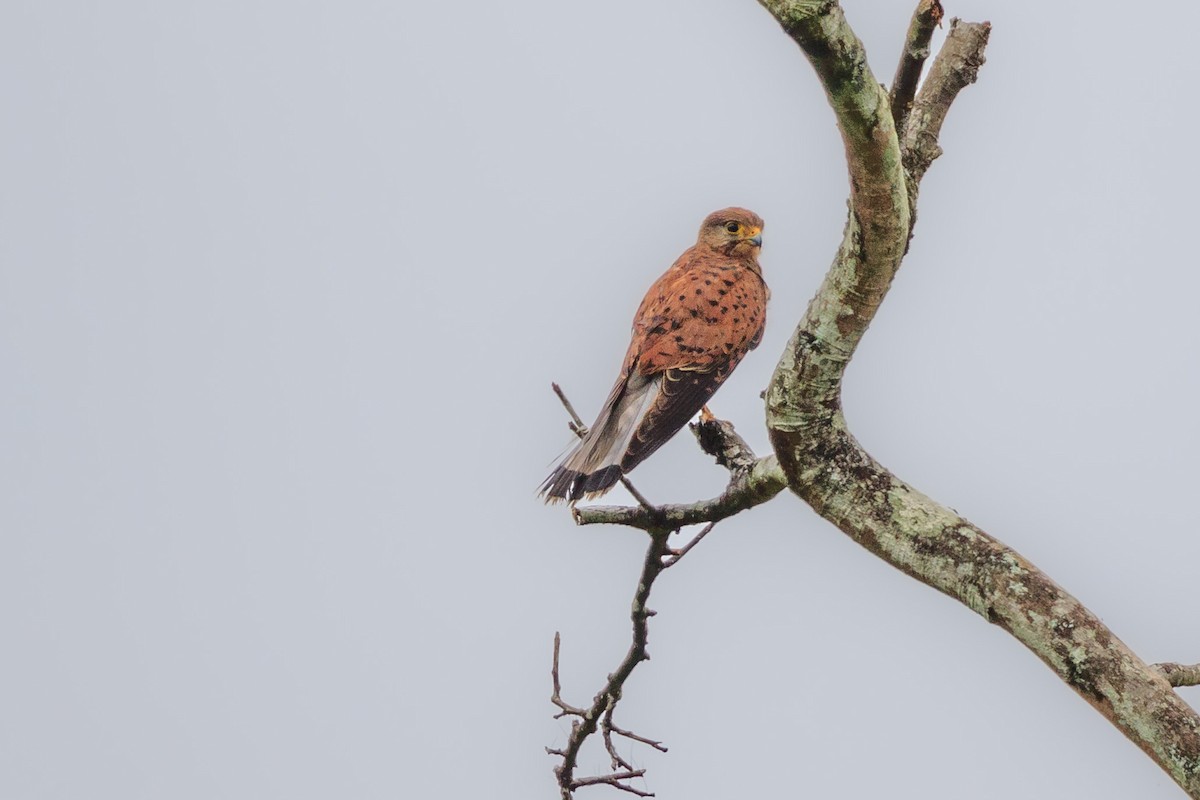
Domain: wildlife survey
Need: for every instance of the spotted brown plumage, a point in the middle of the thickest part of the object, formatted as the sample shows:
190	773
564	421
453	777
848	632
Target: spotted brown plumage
693	327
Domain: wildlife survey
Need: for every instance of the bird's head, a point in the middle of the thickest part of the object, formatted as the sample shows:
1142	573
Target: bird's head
733	231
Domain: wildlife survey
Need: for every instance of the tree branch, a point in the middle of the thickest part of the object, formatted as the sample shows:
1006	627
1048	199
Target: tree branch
687	548
606	699
746	490
1180	674
752	481
955	68
912	59
614	780
828	468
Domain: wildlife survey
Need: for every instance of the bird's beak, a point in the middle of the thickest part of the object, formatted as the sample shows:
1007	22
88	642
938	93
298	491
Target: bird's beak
756	240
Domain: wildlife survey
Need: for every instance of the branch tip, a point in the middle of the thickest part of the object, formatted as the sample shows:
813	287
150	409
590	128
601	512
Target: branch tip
927	16
579	429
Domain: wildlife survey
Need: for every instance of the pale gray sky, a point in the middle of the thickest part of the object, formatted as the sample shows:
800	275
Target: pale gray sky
282	289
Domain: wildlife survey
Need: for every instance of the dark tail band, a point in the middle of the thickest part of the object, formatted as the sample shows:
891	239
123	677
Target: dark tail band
570	485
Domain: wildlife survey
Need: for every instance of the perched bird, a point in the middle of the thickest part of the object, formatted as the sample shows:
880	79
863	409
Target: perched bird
695	324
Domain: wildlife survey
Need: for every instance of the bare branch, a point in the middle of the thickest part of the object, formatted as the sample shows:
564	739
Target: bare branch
576	424
614	781
674	556
608	728
912	58
607	698
828	468
1180	674
645	504
657	745
746	490
752	481
955	68
556	696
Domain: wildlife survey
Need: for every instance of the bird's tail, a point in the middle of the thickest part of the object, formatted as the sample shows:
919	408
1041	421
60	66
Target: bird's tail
594	466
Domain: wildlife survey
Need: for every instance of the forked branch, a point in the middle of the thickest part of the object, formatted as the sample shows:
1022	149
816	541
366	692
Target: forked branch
752	481
831	471
925	19
585	721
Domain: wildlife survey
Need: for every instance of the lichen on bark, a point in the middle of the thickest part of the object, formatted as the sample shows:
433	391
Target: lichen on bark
827	467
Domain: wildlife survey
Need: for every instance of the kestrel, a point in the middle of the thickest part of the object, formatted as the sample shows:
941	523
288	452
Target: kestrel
693	327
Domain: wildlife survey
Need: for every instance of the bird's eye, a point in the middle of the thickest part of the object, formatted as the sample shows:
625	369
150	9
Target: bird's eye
732	227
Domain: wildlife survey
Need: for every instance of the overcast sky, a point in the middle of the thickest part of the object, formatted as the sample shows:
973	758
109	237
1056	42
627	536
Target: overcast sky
283	286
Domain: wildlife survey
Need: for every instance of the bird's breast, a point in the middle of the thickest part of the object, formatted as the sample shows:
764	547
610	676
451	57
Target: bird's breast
699	318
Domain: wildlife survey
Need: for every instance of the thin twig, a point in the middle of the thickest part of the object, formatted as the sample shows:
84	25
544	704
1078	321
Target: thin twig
657	745
610	694
577	426
752	481
614	780
607	728
556	697
674	556
642	501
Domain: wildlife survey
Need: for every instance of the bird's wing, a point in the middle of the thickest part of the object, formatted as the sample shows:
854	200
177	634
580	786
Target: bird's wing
695	325
680	395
